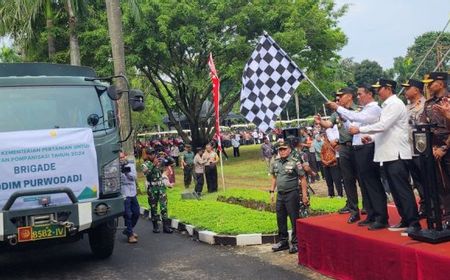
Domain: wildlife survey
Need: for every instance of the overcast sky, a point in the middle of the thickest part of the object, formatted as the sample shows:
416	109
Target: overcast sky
383	29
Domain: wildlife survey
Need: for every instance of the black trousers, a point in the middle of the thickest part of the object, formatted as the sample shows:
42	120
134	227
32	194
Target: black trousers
397	174
443	182
199	181
320	168
348	171
188	173
333	178
370	183
414	171
211	178
288	205
236	152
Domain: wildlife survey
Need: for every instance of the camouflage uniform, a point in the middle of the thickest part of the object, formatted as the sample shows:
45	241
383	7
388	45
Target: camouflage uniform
156	190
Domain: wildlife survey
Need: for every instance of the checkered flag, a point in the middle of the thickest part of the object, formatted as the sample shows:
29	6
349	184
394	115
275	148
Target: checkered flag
269	79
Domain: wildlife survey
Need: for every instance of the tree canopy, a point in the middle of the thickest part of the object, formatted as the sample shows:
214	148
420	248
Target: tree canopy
169	47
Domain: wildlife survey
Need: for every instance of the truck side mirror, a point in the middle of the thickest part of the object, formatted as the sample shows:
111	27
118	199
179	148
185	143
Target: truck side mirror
136	100
113	93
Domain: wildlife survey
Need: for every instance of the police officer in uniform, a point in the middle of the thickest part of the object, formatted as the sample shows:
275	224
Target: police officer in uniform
437	85
415	106
288	179
346	153
156	190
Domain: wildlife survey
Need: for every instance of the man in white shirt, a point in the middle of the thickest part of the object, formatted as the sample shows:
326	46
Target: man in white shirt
374	196
392	150
235	143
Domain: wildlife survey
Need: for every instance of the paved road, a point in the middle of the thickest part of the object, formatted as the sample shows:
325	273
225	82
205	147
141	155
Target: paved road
156	256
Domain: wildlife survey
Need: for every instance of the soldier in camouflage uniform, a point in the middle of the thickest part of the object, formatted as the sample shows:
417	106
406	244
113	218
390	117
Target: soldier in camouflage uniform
156	190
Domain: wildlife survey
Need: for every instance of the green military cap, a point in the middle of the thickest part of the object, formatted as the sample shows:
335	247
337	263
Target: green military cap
346	90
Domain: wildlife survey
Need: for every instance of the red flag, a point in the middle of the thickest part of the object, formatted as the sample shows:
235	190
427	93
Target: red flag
216	96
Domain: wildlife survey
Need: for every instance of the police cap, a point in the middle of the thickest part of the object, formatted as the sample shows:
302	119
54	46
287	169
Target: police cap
433	76
413	83
385	83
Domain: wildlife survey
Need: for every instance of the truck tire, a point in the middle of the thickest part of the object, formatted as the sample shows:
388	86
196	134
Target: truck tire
101	239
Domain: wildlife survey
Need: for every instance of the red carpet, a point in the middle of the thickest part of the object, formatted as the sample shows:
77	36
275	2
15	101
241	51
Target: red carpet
334	248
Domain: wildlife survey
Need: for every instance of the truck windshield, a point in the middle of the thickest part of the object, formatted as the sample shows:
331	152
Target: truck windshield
47	107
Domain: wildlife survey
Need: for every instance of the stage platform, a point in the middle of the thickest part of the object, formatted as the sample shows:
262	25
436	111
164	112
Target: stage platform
328	245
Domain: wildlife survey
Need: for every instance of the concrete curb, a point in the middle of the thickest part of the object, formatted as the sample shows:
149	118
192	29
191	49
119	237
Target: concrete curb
213	238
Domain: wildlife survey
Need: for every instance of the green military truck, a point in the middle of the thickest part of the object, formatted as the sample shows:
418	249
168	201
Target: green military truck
59	155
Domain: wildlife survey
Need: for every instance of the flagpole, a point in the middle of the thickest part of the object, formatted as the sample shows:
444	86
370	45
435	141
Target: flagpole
221	164
314	85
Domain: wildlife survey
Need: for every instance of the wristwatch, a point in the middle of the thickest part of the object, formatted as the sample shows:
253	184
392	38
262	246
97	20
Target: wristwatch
270	191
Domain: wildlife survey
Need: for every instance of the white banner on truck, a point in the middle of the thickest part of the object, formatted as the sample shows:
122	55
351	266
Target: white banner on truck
36	159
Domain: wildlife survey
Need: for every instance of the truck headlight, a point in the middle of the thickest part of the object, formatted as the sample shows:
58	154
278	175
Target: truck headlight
111	177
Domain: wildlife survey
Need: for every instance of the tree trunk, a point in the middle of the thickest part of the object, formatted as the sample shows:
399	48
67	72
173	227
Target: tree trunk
114	15
50	39
49	28
75	58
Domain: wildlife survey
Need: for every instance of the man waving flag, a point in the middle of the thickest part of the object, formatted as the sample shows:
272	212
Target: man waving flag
269	79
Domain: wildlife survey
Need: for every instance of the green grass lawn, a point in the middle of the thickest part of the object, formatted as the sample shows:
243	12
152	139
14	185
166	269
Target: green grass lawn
245	177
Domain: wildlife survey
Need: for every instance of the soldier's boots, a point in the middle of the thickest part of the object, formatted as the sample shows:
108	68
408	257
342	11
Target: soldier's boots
155	227
166	226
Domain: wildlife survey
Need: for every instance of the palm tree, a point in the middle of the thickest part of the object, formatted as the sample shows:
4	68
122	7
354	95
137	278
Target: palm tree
19	18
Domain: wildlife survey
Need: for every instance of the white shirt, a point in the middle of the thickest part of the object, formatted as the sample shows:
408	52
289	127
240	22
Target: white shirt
128	181
368	115
235	143
391	141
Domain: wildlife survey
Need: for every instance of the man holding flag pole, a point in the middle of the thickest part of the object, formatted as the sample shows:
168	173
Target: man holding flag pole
216	97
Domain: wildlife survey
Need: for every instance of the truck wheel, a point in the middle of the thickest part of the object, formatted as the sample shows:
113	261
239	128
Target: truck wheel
101	239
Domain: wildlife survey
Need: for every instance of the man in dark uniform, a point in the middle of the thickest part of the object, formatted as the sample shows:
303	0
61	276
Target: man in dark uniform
437	85
287	176
346	154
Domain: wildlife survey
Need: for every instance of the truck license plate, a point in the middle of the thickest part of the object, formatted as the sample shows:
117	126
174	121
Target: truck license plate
33	233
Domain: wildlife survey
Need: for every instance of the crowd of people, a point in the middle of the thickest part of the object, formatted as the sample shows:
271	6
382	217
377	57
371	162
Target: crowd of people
373	146
376	148
367	146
